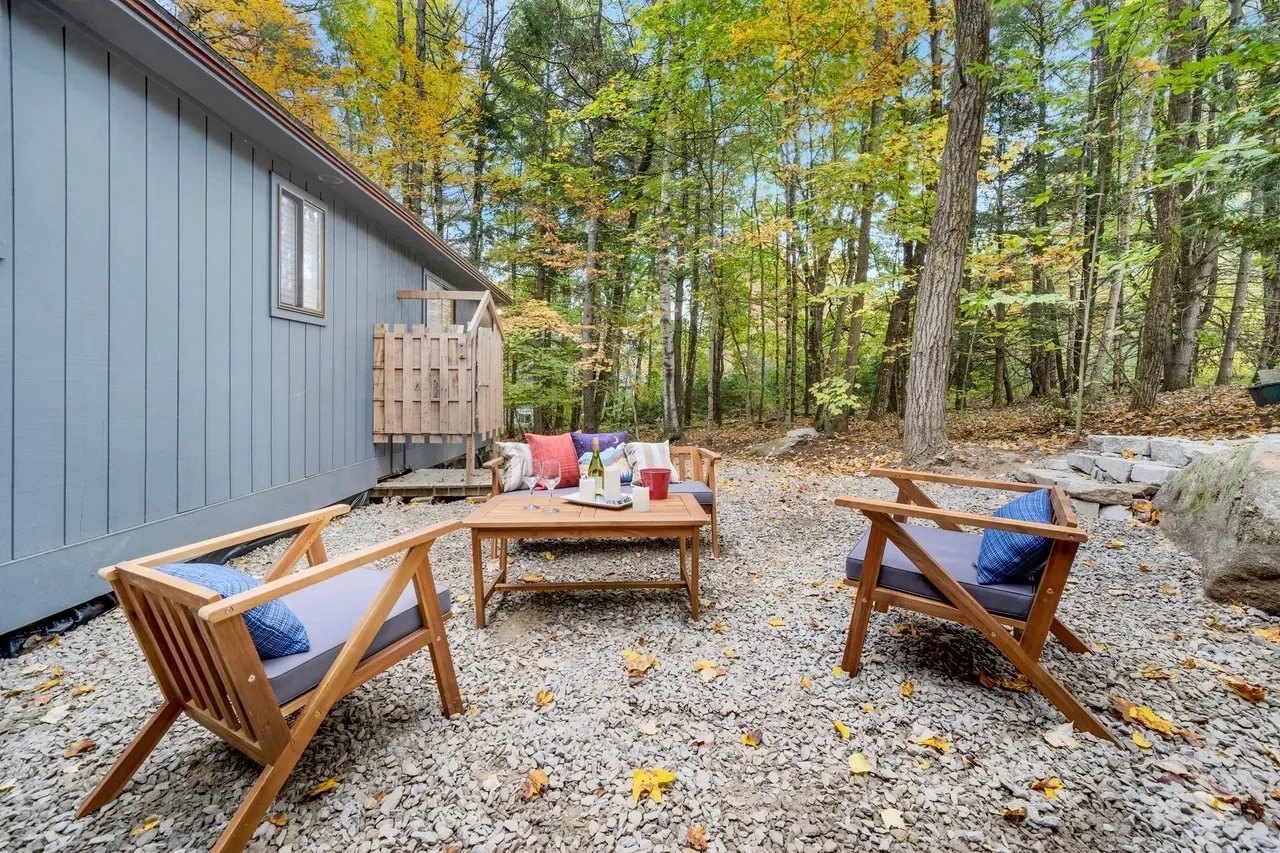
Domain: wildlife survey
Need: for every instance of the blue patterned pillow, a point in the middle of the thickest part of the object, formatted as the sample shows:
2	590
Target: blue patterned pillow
1007	557
273	627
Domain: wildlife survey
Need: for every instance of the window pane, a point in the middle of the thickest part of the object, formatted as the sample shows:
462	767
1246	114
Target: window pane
312	257
288	250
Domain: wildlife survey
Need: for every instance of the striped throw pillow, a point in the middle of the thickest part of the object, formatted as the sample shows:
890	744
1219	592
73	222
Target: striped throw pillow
651	454
518	464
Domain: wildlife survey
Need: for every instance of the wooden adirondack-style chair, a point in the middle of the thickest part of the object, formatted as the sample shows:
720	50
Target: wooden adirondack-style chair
931	570
360	621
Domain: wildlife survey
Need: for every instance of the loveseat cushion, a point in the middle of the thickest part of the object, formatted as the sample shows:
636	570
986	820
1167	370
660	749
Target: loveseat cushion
331	610
955	552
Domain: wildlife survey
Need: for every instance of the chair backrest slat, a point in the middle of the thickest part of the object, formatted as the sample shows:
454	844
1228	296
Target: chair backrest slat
212	670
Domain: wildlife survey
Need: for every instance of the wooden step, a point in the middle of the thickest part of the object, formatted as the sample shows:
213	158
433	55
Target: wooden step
433	483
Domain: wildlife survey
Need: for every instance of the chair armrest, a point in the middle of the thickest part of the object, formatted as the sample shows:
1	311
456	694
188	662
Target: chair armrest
495	464
954	480
237	604
495	472
709	455
249	534
1049	531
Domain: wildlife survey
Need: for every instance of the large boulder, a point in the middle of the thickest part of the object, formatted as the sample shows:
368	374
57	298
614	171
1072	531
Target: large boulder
1225	509
785	444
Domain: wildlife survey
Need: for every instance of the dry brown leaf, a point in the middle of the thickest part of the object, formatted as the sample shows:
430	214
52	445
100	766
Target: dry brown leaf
906	689
806	681
533	783
1015	815
532	578
1155	673
1247	690
80	746
696	837
82	689
718	627
1049	787
637	664
1143	567
903	629
1062	737
278	819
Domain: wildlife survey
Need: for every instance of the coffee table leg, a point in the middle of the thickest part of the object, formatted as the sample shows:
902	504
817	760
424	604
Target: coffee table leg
683	575
693	576
477	574
503	545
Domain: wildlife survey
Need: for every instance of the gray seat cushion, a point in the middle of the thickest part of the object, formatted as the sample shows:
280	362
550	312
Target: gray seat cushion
701	491
330	610
955	552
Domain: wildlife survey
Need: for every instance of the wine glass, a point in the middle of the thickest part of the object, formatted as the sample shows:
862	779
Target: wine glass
530	480
550	476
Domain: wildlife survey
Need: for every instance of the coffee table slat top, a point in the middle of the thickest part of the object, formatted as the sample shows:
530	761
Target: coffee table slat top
508	511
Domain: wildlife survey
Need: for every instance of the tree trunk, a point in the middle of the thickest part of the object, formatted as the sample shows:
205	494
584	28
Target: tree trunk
690	371
1168	232
670	402
792	274
925	425
590	335
1231	341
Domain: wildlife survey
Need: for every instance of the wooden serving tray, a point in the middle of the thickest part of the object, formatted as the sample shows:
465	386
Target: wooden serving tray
598	503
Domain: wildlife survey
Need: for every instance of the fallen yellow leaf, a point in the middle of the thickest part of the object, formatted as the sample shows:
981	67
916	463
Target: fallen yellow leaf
1271	635
729	653
858	764
752	737
936	743
649	781
637	664
533	783
1155	673
146	826
837	673
696	837
718	627
700	665
841	729
775	622
1273	753
1049	787
82	689
806	682
545	698
547	555
7	785
868	708
892	819
323	788
1140	739
903	629
1114	544
532	578
906	690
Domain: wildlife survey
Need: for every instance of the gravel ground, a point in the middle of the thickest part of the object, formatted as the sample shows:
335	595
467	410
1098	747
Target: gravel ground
410	779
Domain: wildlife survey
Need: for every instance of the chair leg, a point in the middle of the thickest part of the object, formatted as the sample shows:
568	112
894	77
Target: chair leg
715	531
859	622
129	762
254	807
1068	638
446	678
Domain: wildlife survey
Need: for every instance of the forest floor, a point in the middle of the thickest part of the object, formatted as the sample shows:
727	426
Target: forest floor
959	755
997	440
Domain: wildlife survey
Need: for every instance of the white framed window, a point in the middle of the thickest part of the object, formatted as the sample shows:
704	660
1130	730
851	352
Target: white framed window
300	256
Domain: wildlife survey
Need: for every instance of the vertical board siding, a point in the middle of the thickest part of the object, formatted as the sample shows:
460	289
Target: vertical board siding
126	317
6	288
162	302
88	266
144	383
217	301
192	283
240	397
39	295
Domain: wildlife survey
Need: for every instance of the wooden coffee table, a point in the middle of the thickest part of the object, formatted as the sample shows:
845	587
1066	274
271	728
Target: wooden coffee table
503	518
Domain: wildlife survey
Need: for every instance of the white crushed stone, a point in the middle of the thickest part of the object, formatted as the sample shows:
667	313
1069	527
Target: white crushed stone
410	779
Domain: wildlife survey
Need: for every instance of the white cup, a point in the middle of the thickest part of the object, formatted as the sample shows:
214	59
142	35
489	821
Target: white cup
640	498
587	489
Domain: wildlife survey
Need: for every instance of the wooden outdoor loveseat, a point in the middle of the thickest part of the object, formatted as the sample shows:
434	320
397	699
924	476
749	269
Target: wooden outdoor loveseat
360	621
697	467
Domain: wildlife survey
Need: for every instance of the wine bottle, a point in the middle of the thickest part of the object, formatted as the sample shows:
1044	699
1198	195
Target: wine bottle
595	468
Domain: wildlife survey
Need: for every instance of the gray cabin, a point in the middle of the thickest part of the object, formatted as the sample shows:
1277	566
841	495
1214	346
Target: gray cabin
190	287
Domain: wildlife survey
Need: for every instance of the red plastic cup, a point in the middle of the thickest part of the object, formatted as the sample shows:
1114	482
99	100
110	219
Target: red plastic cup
658	480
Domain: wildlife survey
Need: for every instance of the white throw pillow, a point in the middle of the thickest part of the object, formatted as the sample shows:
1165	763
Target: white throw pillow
656	454
518	464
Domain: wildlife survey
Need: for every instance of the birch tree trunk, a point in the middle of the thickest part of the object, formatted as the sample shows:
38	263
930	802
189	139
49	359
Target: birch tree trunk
666	296
1231	341
925	422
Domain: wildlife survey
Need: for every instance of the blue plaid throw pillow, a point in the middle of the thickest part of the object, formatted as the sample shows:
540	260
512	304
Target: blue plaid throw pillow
275	630
1007	557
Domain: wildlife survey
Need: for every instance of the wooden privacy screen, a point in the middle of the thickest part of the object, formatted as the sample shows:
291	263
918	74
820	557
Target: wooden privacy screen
437	385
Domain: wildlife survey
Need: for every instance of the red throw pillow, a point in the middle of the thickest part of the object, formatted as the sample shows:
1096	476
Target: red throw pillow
555	448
